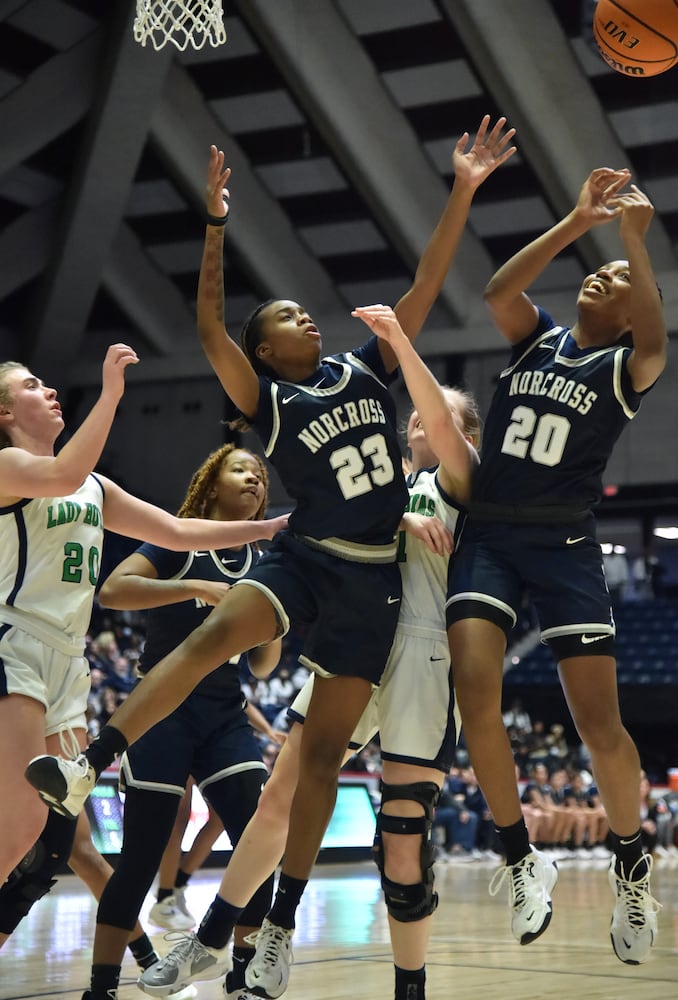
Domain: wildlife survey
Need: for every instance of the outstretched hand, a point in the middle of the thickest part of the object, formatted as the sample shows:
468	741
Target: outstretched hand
216	192
489	151
598	199
118	356
636	213
381	320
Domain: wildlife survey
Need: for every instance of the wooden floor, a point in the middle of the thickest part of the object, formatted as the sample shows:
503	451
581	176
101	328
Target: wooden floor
341	942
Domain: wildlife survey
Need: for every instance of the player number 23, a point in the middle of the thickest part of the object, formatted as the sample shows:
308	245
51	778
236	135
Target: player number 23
354	476
540	438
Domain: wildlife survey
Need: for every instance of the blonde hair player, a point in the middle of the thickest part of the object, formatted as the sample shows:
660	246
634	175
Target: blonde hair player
52	514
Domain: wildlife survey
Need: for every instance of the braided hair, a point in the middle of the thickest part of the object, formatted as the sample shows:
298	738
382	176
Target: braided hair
250	338
203	483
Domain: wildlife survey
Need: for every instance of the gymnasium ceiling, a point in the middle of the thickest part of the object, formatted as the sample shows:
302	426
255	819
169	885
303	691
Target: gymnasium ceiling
338	118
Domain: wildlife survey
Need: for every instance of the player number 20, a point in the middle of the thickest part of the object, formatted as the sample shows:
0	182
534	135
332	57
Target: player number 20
349	463
74	558
542	437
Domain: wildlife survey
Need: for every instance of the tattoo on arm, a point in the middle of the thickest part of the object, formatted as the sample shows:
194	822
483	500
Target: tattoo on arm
214	272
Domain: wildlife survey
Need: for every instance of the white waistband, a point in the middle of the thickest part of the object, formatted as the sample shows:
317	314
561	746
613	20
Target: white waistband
352	551
51	636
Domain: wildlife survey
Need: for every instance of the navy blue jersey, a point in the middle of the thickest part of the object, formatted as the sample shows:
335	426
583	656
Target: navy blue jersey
168	626
556	414
334	443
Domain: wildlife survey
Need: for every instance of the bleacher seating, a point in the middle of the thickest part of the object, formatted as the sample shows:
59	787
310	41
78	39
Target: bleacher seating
647	648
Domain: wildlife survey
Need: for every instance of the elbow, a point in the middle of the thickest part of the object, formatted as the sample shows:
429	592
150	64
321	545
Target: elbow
65	483
175	540
490	293
107	597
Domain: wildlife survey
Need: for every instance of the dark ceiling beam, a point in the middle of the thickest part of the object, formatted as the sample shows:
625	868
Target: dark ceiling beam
259	234
154	305
337	85
562	128
53	99
129	86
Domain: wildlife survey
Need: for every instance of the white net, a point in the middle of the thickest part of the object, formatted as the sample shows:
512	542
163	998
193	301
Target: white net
181	22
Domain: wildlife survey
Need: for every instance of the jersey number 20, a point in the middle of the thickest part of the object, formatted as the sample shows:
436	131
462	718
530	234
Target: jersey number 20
74	558
543	437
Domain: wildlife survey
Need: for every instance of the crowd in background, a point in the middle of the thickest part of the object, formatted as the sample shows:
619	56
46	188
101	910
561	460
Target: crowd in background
560	801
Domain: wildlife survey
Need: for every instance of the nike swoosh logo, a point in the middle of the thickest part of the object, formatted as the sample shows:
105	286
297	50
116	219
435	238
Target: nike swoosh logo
593	638
288	399
547	347
392	600
437	659
196	554
573	541
228	562
633	840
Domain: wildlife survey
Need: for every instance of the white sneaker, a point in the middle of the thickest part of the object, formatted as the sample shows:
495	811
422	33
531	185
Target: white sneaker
186	994
172	913
268	973
242	994
189	961
237	974
634	919
62	784
531	882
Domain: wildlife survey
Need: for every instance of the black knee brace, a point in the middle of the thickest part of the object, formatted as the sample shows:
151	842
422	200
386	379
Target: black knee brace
33	876
408	903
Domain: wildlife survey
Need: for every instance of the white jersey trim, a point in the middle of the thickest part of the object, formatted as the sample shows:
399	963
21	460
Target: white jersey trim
494	602
617	385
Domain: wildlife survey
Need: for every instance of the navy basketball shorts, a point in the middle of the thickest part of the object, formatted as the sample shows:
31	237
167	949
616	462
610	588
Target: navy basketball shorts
414	709
559	566
204	737
351	608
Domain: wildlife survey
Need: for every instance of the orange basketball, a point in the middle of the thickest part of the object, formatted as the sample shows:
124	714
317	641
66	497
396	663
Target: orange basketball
637	37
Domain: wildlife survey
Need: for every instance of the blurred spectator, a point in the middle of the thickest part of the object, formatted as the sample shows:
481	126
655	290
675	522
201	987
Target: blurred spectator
657	822
366	761
616	573
517	717
280	688
466	784
536	743
123	676
591	825
558	749
458	823
647	575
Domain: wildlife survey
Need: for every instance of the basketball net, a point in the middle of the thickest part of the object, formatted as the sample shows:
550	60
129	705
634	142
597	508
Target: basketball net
181	22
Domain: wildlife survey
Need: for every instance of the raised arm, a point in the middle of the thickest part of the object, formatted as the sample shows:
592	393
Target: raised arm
513	312
489	149
229	363
456	455
24	474
650	343
127	515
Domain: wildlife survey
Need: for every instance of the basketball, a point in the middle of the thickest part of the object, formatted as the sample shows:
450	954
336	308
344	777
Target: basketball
637	37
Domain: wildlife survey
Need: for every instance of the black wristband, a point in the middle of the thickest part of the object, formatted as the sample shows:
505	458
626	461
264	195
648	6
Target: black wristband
216	220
